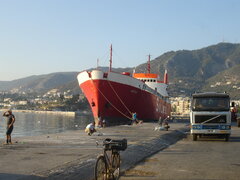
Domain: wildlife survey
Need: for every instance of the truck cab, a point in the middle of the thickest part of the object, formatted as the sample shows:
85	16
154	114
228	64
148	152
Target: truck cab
210	115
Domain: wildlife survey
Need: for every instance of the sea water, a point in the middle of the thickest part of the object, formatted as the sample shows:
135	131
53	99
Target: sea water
32	124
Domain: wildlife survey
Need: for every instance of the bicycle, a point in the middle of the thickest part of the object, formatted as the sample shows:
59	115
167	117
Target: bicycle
108	164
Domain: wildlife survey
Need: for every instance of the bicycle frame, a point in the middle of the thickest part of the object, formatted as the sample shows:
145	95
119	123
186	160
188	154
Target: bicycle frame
108	163
109	159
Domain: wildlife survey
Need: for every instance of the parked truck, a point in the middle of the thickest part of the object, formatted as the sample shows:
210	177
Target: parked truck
210	115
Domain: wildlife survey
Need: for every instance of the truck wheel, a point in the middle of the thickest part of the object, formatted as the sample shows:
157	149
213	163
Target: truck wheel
194	137
226	137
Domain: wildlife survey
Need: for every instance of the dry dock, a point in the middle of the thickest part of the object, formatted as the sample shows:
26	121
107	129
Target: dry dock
72	154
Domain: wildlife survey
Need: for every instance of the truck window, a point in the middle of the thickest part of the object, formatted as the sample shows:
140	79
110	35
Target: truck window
210	103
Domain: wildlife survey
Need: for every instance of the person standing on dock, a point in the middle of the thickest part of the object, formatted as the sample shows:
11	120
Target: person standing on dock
160	121
134	118
10	122
104	123
100	122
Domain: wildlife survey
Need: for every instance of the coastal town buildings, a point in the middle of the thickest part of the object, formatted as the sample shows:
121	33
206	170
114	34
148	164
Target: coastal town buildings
51	100
180	105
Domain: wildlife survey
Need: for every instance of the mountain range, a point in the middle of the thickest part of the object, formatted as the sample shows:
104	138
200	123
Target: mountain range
212	68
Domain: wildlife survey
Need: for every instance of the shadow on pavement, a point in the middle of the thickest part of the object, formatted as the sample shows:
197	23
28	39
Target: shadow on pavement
234	139
19	177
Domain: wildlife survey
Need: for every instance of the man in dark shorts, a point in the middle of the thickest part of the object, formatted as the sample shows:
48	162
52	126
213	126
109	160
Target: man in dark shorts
10	122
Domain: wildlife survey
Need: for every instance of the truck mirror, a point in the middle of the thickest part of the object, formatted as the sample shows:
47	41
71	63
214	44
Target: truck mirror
233	104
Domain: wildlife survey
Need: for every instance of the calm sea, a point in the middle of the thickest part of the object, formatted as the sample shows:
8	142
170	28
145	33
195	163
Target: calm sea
32	124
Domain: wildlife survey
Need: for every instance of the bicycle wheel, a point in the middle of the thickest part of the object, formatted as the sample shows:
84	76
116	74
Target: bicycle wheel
100	170
116	165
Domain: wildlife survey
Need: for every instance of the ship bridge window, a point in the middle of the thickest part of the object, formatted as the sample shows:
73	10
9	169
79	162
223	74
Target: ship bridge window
105	75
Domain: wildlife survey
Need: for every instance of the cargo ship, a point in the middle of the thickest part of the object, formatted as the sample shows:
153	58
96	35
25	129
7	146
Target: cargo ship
114	97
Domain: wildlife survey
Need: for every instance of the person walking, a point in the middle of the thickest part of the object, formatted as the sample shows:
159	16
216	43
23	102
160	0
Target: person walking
10	122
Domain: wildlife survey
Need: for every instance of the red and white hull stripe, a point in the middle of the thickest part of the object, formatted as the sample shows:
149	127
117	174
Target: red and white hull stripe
115	97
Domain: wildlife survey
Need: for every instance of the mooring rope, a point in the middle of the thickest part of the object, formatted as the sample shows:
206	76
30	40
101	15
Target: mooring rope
110	102
120	98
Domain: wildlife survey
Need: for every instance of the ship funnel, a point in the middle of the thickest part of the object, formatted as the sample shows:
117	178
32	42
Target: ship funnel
165	77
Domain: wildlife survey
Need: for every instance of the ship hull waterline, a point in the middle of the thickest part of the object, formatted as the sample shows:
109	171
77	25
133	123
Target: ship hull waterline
115	102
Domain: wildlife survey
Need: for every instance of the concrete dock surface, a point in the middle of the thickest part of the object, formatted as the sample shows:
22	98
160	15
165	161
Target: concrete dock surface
208	158
72	154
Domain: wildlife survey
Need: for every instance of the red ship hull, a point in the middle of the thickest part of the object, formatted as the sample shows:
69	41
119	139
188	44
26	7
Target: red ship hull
115	101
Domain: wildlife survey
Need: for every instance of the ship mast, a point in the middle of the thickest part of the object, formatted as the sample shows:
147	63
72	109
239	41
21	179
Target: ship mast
148	66
97	63
110	67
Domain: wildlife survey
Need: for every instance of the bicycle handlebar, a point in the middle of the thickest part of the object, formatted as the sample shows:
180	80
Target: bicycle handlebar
109	144
107	141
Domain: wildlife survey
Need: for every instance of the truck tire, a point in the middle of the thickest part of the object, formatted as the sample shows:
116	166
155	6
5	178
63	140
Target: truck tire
238	122
194	137
227	137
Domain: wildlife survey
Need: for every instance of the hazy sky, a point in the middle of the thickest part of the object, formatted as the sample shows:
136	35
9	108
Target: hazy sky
45	36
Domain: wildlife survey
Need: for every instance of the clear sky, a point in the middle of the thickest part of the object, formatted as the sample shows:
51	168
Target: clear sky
45	36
